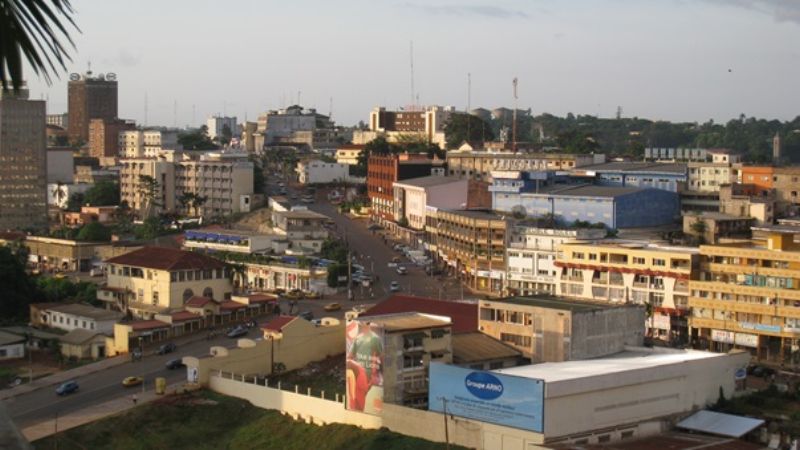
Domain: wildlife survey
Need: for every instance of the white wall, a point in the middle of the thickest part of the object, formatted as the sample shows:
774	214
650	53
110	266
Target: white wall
60	166
12	351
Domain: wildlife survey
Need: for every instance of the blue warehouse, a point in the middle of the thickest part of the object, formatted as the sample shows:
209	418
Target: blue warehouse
534	194
665	176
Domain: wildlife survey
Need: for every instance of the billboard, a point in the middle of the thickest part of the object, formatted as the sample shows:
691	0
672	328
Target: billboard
364	366
487	396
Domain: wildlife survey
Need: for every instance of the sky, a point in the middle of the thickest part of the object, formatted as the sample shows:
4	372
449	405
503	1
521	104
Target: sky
679	60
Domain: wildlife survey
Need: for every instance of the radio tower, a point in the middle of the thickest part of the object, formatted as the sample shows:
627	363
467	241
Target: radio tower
514	118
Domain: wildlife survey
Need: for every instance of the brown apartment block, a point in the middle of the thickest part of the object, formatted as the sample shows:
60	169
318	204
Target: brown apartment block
383	171
90	98
104	136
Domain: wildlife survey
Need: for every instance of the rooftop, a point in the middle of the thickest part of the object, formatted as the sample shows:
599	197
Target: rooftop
634	245
476	346
162	258
89	312
408	321
588	190
635	166
278	323
464	316
79	336
10	338
300	214
432	180
634	358
147	325
198	302
554	302
718	216
474	214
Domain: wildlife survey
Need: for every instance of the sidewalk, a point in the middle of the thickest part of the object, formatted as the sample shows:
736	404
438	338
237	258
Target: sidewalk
91	414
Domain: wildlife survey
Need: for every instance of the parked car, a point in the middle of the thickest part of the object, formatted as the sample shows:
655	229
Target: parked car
401	270
308	315
396	259
308	199
239	331
132	381
760	371
67	388
176	363
166	348
294	294
311	295
394	286
333	307
433	271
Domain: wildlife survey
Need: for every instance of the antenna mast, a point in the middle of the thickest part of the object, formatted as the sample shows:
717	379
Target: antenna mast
412	73
469	92
514	118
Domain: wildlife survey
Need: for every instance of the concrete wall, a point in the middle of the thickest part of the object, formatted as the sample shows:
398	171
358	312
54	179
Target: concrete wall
170	294
606	331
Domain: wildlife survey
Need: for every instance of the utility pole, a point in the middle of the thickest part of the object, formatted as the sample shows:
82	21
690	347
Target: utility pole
446	431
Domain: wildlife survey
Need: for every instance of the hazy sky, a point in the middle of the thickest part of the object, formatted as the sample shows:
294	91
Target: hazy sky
661	59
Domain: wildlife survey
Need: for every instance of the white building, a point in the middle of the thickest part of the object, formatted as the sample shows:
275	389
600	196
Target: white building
236	241
12	346
318	172
709	176
58	194
531	256
413	196
74	316
216	124
146	143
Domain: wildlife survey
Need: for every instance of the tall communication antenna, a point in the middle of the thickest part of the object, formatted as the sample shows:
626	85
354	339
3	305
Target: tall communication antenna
514	118
469	92
412	71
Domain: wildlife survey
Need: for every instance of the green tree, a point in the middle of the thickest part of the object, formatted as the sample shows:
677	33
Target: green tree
151	228
334	250
16	287
149	189
104	193
35	29
197	140
226	135
462	127
94	232
334	272
75	202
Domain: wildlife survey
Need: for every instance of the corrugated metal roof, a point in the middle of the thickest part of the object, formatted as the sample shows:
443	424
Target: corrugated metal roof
476	346
720	424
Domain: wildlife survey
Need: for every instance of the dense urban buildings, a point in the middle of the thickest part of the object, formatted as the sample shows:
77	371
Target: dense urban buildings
90	97
104	137
384	170
217	125
146	143
421	124
23	162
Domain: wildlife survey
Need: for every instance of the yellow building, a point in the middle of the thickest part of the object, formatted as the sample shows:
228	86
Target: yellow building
155	280
642	274
473	243
747	295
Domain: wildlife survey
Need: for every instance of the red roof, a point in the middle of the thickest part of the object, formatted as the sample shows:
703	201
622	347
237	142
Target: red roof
198	302
230	304
278	323
183	316
148	325
261	298
163	258
463	315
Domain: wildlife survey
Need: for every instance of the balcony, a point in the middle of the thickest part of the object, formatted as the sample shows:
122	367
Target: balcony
743	307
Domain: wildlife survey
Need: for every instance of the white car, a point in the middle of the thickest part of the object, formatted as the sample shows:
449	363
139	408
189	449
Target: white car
394	286
401	270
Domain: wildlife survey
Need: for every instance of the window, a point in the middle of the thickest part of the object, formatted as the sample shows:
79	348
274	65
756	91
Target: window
181	276
155	297
413	340
496	365
437	355
412	361
577	255
516	339
659	262
638	260
113	269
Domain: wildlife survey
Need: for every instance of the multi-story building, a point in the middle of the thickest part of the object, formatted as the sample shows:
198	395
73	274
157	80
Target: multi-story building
676	154
216	125
414	195
302	228
348	154
748	200
316	171
747	295
384	170
403	345
58	194
146	143
479	165
709	176
104	137
60	165
710	227
59	120
760	177
286	275
425	125
787	190
23	161
225	183
536	194
553	329
531	256
155	280
90	97
225	240
631	272
665	176
295	125
473	244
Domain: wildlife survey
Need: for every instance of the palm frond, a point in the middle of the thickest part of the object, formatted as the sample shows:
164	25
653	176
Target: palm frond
37	30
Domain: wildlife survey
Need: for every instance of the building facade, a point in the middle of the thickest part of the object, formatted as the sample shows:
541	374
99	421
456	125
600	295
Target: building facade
531	256
74	316
348	154
316	171
104	136
665	176
479	165
709	176
60	165
146	143
636	273
787	191
748	296
422	124
23	162
413	196
216	125
384	170
90	97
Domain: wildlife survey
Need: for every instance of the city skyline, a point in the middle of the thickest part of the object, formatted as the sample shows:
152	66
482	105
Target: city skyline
672	60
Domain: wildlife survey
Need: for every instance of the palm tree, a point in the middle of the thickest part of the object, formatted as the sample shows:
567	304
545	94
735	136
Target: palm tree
59	193
34	29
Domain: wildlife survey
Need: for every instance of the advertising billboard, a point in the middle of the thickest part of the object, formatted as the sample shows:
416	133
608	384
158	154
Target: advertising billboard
364	367
487	396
